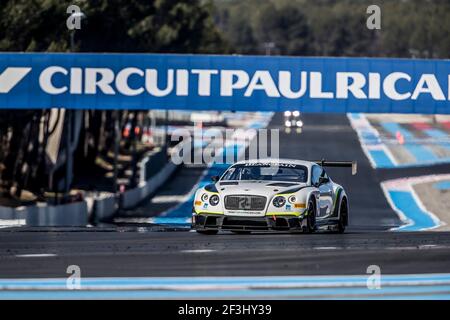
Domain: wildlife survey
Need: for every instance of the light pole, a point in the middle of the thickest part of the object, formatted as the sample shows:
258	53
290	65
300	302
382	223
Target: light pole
76	16
69	160
116	148
268	46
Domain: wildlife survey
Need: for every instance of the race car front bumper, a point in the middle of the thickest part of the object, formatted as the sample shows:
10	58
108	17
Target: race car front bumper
237	223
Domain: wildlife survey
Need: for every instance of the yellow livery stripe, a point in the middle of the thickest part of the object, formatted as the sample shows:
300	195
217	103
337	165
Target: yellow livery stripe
283	214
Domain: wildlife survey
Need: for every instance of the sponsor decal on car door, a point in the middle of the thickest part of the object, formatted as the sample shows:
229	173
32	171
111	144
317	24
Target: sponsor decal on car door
325	200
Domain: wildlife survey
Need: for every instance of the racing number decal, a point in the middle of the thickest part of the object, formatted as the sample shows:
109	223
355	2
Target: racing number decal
244	203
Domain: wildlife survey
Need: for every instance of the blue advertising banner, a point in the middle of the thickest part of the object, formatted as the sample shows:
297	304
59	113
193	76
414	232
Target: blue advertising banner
206	82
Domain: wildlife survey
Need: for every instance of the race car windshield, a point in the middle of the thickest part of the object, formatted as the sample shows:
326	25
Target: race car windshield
290	173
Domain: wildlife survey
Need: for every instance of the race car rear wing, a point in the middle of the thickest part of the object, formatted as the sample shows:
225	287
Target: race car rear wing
339	164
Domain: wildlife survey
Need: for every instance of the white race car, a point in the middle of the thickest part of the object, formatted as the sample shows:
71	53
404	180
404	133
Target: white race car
257	195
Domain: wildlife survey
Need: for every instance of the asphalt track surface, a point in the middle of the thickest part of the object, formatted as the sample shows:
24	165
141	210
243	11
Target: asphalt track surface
142	251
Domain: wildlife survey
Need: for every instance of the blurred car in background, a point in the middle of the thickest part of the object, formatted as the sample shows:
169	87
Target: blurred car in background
292	119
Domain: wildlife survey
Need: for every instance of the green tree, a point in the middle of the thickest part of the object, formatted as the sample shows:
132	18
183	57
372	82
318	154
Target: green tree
286	27
338	28
111	26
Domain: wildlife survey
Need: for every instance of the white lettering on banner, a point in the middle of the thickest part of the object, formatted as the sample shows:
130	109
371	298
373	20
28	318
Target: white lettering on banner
262	80
182	82
355	87
227	85
374	87
204	81
347	84
122	82
76	81
103	83
151	83
10	77
432	87
390	89
45	80
316	87
284	79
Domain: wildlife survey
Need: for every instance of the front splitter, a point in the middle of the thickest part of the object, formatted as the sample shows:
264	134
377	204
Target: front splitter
242	223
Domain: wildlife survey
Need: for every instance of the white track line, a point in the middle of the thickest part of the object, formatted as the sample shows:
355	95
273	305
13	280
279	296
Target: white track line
36	255
198	251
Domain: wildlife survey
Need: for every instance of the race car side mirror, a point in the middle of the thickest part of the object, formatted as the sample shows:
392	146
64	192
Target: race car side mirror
323	180
215	178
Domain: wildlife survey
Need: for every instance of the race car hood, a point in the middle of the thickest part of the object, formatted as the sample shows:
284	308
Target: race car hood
263	188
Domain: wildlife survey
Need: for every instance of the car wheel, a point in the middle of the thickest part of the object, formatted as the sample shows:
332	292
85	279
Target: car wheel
343	214
208	232
311	217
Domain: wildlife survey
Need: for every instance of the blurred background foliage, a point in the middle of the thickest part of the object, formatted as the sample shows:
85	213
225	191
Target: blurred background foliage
111	26
410	28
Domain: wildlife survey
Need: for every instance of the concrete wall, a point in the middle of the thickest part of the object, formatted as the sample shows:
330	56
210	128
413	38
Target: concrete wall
152	163
155	171
7	213
95	208
66	215
131	198
104	208
72	214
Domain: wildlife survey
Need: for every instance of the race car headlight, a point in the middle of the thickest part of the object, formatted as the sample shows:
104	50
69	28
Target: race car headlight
287	113
279	201
214	200
292	199
204	197
296	113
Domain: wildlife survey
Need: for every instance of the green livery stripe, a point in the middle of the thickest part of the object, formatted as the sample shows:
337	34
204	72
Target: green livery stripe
335	207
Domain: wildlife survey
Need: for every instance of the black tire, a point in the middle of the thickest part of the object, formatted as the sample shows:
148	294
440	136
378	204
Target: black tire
208	232
311	217
343	216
